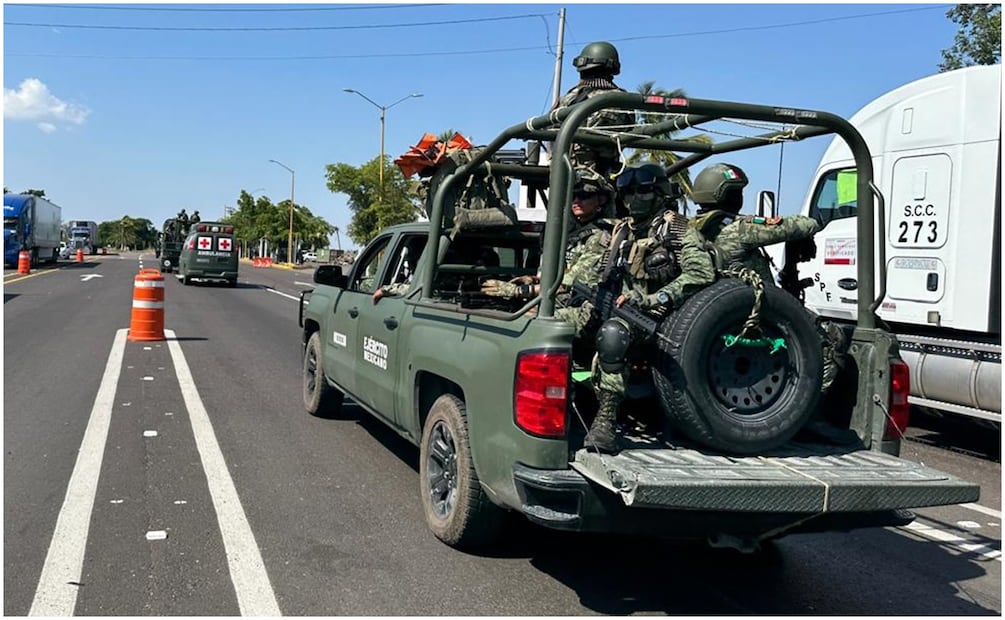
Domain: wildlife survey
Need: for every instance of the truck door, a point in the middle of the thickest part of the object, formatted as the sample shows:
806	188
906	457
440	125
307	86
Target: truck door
380	370
344	356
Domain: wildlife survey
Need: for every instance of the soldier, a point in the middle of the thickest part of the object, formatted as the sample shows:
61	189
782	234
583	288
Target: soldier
597	65
589	241
737	242
647	257
182	222
195	219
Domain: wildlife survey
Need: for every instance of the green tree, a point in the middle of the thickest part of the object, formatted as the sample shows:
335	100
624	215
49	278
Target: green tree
371	214
663	157
978	40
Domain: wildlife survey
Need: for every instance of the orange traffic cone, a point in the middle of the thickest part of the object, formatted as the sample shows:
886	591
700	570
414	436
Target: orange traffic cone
80	255
147	320
24	262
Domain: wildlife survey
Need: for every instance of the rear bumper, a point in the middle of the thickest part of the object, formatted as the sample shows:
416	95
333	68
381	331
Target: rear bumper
212	274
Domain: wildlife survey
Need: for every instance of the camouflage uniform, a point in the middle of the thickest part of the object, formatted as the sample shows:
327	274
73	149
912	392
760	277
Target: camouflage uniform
588	245
603	159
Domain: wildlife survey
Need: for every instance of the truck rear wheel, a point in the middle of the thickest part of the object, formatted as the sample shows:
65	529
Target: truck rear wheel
320	398
456	508
740	399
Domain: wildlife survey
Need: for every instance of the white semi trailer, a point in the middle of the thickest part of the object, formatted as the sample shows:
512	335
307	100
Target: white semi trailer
936	146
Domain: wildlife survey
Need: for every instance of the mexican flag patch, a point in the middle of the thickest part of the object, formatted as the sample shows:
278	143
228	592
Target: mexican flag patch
730	174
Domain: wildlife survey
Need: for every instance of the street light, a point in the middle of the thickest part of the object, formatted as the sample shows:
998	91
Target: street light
293	180
383	110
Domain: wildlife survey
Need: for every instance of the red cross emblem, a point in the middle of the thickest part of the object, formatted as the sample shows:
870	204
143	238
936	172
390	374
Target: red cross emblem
224	244
205	243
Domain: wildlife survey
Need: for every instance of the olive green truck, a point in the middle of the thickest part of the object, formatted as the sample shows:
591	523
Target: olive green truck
491	389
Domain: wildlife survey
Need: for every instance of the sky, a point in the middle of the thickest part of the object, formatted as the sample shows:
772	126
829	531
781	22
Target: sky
156	107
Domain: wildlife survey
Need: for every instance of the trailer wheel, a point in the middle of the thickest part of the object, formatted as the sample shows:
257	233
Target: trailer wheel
320	398
739	399
456	508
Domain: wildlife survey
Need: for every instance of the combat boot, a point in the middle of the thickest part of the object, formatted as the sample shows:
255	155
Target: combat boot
602	437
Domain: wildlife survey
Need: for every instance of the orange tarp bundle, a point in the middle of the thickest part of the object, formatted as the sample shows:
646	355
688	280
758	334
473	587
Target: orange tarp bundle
429	152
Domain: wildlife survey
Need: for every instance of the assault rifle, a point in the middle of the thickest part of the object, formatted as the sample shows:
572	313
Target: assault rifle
798	251
603	298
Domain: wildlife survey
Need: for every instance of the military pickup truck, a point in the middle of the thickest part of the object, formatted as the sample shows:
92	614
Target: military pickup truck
487	387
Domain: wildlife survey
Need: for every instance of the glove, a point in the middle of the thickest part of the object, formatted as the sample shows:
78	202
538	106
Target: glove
522	280
499	288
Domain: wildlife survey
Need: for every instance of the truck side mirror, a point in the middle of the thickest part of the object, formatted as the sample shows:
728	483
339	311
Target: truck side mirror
330	275
766	204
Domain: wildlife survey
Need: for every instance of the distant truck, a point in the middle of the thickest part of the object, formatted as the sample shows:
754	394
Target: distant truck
30	223
936	148
83	236
169	244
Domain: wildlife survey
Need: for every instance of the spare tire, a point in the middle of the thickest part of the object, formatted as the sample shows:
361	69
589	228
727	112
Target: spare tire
738	399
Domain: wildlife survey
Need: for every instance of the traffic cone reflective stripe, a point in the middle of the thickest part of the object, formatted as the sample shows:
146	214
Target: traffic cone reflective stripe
24	262
147	320
80	255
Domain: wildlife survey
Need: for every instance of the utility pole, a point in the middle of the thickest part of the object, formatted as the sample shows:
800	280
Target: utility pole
556	87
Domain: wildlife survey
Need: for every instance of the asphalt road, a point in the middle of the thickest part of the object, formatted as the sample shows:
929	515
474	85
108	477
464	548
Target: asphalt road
214	493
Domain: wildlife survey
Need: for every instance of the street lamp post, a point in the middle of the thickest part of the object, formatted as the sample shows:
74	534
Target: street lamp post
293	181
383	111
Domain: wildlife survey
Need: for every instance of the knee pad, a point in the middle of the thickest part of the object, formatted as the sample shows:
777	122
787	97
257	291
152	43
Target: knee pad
613	339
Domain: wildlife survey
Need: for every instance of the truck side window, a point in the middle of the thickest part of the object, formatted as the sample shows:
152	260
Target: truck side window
835	196
368	267
405	259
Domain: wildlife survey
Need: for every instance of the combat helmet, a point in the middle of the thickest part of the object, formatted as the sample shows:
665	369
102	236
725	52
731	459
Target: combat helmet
720	186
598	55
589	181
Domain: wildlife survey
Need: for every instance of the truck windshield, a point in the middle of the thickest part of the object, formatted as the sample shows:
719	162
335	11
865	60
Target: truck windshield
834	197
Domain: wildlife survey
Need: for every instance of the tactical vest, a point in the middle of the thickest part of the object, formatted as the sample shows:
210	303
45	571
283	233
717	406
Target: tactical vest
655	258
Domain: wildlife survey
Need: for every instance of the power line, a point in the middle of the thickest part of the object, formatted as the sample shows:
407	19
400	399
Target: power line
370	7
538	48
786	25
546	49
275	28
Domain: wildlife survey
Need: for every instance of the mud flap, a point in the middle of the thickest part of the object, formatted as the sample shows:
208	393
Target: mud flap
799	479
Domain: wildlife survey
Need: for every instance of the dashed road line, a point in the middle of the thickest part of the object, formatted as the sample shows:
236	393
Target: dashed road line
983	509
272	290
56	593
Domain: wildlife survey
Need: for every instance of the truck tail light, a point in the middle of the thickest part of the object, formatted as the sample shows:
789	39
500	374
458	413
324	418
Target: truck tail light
900	409
541	392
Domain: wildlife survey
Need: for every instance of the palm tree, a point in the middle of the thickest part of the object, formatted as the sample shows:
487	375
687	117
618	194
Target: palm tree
338	241
663	157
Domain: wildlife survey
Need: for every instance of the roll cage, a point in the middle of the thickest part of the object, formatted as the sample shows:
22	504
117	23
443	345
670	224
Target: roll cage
563	128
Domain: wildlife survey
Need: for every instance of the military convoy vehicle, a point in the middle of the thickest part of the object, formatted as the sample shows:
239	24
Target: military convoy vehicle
489	388
169	243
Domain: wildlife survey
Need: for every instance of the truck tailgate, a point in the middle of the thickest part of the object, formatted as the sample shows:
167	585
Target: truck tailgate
801	478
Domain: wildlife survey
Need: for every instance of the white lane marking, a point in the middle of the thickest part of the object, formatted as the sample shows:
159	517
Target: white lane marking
157	535
988	511
149	433
272	290
247	570
299	283
55	594
927	531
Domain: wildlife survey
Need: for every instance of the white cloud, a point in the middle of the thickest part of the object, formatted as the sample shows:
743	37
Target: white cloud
32	101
